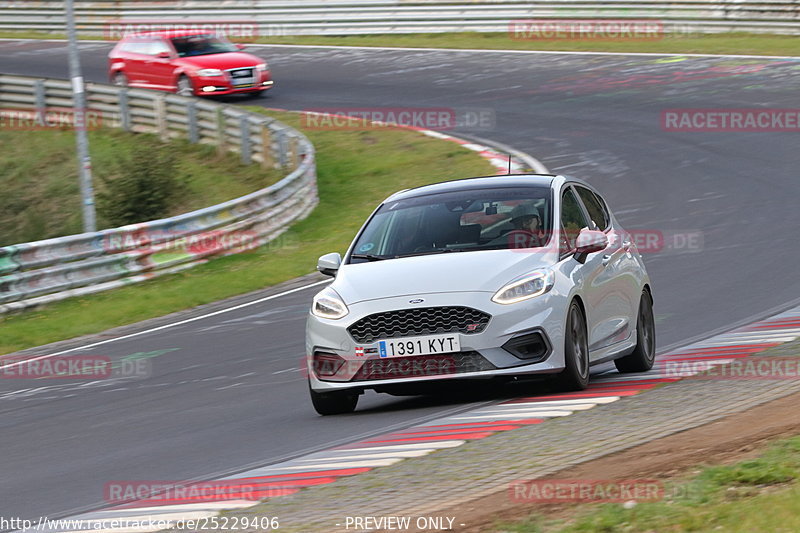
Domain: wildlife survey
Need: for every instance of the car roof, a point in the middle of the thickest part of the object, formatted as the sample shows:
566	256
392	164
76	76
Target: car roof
482	182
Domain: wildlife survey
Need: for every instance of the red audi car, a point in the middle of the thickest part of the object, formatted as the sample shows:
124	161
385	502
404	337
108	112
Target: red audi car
187	62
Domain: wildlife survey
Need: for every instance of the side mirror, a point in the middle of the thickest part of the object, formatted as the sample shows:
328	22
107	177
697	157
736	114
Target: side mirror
589	242
329	264
240	46
163	55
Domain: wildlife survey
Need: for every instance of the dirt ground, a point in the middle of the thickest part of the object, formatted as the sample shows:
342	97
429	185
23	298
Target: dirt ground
725	441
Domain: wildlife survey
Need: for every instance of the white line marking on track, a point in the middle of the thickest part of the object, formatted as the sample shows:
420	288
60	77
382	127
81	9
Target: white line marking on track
531	408
734	342
338	464
514	415
579	401
388	455
172	325
227	504
438	444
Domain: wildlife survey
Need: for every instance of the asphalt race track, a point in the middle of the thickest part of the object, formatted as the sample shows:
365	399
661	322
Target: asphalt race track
225	391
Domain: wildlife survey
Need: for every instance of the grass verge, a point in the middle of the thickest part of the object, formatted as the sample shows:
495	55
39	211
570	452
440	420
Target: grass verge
758	494
720	43
723	43
356	170
41	197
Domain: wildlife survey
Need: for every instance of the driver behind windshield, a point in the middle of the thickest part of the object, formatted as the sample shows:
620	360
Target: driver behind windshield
196	45
527	232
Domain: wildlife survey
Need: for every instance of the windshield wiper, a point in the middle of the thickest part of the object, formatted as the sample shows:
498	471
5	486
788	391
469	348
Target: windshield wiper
437	251
370	257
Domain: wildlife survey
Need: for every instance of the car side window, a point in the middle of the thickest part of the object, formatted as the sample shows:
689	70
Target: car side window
572	219
596	211
157	46
604	206
135	46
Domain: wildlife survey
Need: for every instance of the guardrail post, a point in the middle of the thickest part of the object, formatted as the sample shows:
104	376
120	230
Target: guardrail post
124	110
282	148
41	102
294	152
244	139
221	125
191	117
267	161
160	108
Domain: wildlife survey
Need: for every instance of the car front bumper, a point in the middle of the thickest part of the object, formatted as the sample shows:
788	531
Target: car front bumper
482	354
219	85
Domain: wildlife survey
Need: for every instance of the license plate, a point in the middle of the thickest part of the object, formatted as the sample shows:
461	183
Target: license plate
427	345
242	85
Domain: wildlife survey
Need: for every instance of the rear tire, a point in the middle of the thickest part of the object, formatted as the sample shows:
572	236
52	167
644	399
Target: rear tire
644	354
333	403
575	375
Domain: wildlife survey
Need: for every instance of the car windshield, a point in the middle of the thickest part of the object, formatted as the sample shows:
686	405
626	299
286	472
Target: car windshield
201	45
463	221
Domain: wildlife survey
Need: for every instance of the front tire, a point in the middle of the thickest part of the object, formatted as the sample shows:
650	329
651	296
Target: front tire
575	375
333	403
644	354
185	87
119	79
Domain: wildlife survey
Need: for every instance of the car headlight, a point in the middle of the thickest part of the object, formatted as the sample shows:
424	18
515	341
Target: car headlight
328	304
262	66
534	284
209	72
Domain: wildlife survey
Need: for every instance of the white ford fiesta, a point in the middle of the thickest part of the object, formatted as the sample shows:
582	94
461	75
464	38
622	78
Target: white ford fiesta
481	278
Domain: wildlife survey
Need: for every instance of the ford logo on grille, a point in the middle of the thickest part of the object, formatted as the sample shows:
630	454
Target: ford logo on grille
416	301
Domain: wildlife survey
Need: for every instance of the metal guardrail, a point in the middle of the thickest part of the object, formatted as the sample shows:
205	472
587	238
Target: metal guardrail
343	17
43	271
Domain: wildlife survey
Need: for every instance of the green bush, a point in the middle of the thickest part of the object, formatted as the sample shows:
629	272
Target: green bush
143	187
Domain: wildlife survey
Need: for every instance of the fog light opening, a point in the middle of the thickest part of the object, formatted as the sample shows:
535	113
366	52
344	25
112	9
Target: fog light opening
531	347
327	364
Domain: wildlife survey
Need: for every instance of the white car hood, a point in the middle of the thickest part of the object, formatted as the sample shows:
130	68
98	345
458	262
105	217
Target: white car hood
482	271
